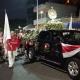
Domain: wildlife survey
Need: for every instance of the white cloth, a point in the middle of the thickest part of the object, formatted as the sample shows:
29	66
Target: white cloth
11	58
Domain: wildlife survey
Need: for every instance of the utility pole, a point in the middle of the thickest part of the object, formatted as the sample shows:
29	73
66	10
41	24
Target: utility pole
37	15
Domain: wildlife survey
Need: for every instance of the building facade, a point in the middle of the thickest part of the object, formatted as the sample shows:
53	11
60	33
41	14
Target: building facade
63	11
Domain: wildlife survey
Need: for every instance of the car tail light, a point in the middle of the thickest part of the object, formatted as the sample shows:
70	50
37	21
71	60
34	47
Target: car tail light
46	45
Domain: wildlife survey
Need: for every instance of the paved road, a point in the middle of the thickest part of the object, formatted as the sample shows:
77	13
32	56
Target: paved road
34	71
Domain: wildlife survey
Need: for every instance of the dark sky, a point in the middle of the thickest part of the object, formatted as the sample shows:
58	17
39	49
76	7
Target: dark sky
20	12
18	8
14	8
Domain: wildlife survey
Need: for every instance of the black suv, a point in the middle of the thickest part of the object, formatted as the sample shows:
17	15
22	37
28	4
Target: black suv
61	47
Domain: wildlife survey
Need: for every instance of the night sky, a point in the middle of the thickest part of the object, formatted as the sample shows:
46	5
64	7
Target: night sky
20	9
14	8
17	9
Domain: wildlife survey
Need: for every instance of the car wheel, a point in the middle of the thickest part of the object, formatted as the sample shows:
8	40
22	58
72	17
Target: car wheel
73	68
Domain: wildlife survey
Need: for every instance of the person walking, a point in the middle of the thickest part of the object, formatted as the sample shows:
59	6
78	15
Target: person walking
12	45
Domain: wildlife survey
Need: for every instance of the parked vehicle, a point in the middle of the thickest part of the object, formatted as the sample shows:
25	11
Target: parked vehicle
61	47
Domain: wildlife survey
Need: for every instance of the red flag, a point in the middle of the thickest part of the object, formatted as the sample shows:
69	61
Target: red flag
13	44
69	50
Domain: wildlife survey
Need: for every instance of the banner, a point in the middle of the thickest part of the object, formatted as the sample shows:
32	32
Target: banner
69	50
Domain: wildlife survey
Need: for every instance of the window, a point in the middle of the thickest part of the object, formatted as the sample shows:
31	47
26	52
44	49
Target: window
44	36
77	36
71	37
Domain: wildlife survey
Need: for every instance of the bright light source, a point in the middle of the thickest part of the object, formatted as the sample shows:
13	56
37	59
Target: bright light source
52	14
19	27
68	1
41	12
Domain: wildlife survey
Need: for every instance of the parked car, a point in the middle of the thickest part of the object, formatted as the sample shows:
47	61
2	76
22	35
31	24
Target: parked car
61	47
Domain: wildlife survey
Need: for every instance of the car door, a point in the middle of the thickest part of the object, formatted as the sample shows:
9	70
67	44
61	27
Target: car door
44	43
49	46
56	48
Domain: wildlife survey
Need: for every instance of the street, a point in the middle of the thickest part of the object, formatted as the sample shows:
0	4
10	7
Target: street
33	71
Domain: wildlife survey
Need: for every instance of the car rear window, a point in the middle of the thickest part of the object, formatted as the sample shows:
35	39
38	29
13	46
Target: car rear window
71	37
74	35
44	36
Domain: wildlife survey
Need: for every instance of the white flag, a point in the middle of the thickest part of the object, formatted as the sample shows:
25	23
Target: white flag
6	34
70	24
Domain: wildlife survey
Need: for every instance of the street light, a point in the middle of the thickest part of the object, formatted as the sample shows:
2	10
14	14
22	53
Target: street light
19	27
68	1
41	12
37	14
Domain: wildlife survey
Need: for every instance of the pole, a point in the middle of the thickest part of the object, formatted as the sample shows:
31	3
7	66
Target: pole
37	14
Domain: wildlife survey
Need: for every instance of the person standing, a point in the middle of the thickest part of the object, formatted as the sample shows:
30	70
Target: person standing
1	47
12	45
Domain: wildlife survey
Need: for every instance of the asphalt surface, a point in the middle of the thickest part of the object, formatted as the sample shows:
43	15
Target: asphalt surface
33	71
